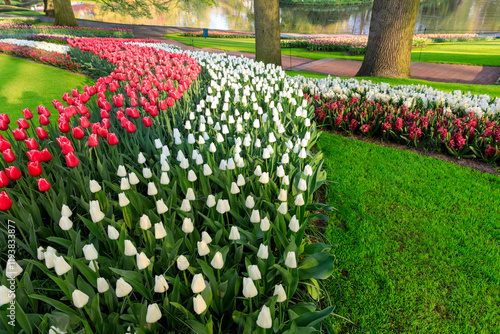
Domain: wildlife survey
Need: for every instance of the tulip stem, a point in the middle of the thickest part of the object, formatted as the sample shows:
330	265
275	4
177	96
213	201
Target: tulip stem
185	278
131	307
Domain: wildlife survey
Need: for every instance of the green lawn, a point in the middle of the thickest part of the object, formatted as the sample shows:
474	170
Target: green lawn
491	90
417	241
27	84
470	53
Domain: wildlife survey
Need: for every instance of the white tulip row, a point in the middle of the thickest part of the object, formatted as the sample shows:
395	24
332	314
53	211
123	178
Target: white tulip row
38	45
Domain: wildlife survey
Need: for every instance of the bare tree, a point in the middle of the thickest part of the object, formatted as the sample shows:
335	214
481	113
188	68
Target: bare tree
388	52
267	31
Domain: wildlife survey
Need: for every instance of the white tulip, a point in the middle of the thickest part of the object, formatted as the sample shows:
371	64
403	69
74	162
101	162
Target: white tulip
278	290
165	166
234	233
264	178
102	285
263	252
121	172
202	248
94	186
12	269
266	154
198	283
280	172
255	216
187	226
283	195
286	180
141	159
291	261
192	176
264	319
308	170
153	314
199	304
265	224
161	284
222	207
210	201
164	179
160	231
80	299
113	233
299	200
122	288
61	266
161	207
190	194
96	215
294	224
182	263
130	249
258	171
158	143
146	173
65	223
145	222
123	200
249	202
152	191
302	185
142	261
283	208
40	253
249	289
207	170
124	184
254	272
6	295
185	206
303	154
234	188
133	179
50	258
217	261
55	330
90	252
206	237
285	158
241	180
93	266
66	211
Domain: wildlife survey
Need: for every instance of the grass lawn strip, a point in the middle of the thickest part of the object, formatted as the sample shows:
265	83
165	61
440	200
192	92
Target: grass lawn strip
417	241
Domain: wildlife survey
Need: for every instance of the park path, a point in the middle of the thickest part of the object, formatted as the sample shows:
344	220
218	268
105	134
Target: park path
483	75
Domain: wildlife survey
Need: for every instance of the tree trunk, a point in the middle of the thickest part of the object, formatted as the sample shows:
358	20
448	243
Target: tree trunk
64	13
48	8
388	53
7	2
267	31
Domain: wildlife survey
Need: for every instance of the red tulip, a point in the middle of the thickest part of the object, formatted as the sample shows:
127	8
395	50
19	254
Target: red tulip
45	155
19	134
31	143
131	127
118	102
133	102
93	141
112	139
106	106
34	168
34	155
84	122
13	173
23	124
43	185
170	101
63	127
147	121
8	155
44	120
104	114
75	93
4	145
42	134
162	105
106	123
5	201
119	115
27	113
5	118
72	160
3	126
102	132
4	180
78	132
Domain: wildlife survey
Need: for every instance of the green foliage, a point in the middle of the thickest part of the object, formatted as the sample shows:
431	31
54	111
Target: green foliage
142	8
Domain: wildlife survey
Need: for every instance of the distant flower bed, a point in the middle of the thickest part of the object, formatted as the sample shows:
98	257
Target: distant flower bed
37	45
49	39
28	30
53	58
357	44
18	20
219	34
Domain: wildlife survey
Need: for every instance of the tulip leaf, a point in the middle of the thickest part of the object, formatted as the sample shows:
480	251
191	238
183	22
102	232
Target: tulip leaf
318	265
285	274
55	303
134	275
60	241
22	320
94	229
312	318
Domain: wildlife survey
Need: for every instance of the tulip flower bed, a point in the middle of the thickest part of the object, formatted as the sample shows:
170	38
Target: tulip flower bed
464	126
219	34
39	55
29	30
49	39
172	196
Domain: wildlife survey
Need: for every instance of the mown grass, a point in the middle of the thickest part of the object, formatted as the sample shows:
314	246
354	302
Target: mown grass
469	53
26	84
417	241
491	90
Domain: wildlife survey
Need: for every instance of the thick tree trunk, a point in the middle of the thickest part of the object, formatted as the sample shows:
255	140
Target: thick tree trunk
388	52
267	31
7	2
64	13
48	8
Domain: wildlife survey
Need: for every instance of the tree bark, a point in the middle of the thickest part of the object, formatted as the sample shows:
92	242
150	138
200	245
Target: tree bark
48	8
7	2
267	31
388	53
64	13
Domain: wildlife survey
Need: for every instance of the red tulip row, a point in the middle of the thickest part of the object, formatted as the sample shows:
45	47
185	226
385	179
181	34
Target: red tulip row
463	135
42	56
143	73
